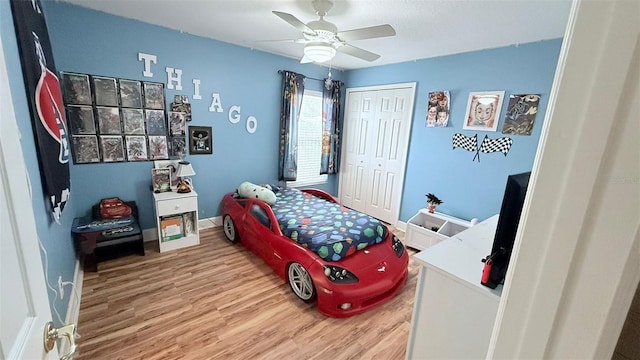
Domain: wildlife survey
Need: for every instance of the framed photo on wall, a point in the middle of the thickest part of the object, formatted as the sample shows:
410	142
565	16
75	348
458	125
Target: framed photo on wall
178	146
177	123
200	140
153	95
85	149
521	114
181	104
483	110
158	148
108	120
80	119
438	108
105	91
130	93
133	121
76	88
155	122
136	148
112	148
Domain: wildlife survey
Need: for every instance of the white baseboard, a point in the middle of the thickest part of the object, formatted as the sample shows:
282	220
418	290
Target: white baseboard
210	222
401	225
73	309
152	234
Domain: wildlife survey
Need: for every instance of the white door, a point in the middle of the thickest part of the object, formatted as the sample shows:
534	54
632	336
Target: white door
24	308
376	132
360	116
388	158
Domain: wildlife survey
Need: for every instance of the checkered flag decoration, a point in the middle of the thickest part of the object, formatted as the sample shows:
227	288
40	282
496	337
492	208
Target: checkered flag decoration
492	145
502	145
465	142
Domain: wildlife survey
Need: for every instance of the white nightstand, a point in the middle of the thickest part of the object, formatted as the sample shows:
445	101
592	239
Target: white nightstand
177	219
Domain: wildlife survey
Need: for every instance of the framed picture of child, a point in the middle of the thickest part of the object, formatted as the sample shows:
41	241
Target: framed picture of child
438	109
483	110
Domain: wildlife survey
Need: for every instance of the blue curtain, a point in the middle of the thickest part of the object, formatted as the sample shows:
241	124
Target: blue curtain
330	130
292	90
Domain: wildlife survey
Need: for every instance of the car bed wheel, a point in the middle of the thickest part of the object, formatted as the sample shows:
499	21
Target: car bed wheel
301	282
229	229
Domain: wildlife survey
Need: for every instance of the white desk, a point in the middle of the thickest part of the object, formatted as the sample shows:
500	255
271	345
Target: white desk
453	313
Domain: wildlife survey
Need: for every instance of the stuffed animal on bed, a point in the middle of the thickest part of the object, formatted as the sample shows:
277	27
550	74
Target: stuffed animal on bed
253	191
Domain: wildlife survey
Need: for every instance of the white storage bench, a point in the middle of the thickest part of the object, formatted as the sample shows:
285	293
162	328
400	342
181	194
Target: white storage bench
426	229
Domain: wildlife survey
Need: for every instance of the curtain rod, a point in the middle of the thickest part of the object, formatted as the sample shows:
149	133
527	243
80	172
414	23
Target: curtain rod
308	77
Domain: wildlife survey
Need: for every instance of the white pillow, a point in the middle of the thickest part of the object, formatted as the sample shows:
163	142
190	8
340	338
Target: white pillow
253	191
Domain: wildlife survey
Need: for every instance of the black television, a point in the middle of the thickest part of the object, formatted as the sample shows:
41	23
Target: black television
508	220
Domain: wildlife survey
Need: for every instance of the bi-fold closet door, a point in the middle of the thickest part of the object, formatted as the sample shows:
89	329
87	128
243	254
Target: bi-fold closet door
374	150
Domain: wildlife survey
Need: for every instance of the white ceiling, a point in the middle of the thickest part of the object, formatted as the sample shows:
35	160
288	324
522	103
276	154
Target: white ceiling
425	29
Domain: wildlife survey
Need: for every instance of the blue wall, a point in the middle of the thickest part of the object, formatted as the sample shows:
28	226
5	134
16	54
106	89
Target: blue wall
468	188
92	42
55	238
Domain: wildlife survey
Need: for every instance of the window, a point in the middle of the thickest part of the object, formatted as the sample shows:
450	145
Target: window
310	141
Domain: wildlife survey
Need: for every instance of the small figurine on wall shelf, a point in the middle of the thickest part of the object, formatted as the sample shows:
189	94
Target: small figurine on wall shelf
433	201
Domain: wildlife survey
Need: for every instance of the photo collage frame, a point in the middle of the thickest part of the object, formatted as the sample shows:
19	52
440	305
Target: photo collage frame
116	120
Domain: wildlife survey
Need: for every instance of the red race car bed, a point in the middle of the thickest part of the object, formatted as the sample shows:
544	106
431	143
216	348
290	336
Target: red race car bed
347	261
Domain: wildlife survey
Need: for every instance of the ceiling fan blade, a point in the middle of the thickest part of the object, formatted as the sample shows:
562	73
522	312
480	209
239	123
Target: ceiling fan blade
367	33
359	53
294	21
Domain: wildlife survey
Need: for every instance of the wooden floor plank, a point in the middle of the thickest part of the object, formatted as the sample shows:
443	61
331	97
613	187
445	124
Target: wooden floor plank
218	301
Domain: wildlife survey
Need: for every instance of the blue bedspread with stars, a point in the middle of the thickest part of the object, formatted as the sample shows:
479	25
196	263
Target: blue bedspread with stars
328	229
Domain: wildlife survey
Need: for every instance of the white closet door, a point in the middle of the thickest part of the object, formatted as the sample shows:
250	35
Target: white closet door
376	132
356	162
388	158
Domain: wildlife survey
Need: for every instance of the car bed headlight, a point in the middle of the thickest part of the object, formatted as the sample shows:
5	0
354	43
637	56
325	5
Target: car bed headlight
339	275
397	246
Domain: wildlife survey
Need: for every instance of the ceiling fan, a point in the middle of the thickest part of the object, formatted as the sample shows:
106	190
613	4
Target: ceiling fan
322	39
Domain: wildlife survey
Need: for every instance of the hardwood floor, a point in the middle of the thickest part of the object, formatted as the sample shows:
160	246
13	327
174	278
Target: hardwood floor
218	301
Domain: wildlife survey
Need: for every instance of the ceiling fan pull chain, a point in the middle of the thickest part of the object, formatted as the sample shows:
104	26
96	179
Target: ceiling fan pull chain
327	81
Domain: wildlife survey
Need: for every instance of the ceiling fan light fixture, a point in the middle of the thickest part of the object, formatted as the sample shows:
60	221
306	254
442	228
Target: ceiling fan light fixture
319	52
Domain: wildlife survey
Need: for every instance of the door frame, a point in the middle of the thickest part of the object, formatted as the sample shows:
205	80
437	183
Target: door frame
573	272
410	106
17	189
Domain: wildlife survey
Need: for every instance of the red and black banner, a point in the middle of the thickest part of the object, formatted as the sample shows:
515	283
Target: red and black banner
45	101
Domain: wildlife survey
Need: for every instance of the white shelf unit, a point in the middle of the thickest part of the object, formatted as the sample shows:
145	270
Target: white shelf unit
426	229
173	204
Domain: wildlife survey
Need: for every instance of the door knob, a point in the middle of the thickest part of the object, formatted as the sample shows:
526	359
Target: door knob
51	334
